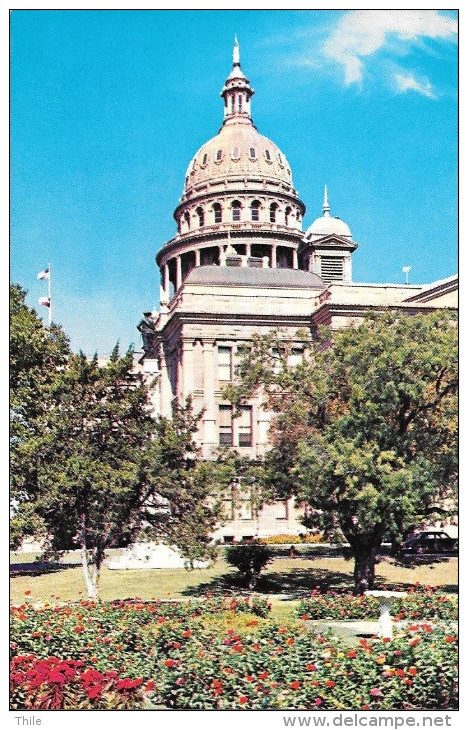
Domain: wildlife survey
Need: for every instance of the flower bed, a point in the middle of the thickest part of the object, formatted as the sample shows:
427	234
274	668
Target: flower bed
279	669
221	653
421	604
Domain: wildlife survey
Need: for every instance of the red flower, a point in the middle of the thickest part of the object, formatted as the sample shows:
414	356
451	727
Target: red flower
290	640
365	707
216	683
93	691
251	623
400	672
169	663
329	683
412	670
263	675
318	701
243	699
351	654
295	685
176	645
449	639
249	678
311	667
187	633
27	593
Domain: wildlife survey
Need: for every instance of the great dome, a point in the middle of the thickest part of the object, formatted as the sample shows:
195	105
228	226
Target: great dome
238	151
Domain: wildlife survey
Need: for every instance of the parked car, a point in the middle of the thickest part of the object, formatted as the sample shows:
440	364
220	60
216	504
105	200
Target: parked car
432	542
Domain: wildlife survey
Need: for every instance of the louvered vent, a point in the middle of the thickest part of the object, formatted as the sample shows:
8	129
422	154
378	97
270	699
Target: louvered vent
332	268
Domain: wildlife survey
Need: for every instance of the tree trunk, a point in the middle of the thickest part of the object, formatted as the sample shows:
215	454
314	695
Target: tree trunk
364	569
89	572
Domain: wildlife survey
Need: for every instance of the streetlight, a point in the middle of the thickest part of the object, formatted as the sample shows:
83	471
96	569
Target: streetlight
406	270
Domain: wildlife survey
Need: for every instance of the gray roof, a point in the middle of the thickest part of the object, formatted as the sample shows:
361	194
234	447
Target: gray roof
247	276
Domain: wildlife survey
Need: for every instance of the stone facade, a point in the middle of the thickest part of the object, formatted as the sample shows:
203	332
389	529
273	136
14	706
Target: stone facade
240	265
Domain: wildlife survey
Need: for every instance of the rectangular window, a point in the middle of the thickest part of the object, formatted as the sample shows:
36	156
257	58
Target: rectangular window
225	425
295	357
225	363
245	426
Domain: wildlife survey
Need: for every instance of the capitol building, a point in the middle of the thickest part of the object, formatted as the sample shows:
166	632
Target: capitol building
239	265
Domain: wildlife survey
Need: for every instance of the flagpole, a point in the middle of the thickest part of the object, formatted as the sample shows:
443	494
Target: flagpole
50	301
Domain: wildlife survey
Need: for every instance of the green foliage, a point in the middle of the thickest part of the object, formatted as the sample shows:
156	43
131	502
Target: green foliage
365	430
36	353
249	559
91	467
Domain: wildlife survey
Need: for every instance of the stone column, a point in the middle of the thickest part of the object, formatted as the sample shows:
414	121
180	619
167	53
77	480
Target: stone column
165	282
248	249
209	415
273	256
166	389
187	369
197	257
178	272
295	261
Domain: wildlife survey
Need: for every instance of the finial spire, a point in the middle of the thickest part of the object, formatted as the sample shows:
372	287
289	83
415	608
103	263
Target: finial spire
236	53
326	207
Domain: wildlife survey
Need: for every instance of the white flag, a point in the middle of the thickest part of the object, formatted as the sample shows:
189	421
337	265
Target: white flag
45	301
44	274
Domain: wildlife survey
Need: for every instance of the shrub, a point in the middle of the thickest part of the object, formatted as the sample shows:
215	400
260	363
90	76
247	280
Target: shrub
249	559
292	539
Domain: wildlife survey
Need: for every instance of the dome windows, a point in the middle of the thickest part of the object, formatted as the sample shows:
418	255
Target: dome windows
235	153
219	155
268	156
204	160
273	211
218	213
252	153
236	211
187	220
201	216
255	211
287	213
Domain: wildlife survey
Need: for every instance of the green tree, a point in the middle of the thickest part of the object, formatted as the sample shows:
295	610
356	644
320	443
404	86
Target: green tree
107	472
365	427
36	353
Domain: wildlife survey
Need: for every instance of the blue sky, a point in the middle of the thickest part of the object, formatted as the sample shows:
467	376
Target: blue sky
108	107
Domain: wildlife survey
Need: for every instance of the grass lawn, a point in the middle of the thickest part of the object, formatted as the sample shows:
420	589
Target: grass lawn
282	576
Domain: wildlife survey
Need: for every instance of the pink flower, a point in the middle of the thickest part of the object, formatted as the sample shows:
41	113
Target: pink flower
318	701
376	692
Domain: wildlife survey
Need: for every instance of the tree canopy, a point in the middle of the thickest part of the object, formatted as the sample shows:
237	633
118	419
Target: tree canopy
365	426
92	467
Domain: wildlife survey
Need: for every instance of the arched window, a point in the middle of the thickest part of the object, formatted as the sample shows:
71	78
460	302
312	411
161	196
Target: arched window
201	216
255	211
273	209
235	154
287	213
267	155
187	219
205	159
236	211
219	155
218	213
252	153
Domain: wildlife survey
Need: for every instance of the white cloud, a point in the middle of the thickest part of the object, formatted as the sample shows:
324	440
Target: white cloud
408	82
360	33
